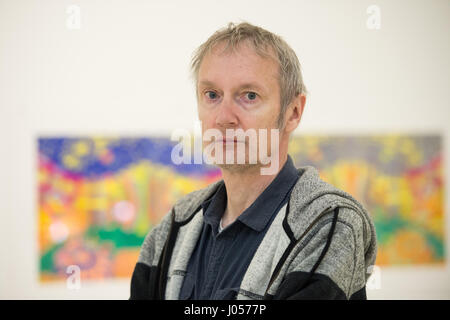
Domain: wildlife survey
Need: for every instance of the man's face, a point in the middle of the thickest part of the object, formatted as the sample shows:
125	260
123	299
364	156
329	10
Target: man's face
238	91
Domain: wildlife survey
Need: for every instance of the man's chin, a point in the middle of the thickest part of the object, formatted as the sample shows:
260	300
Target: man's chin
239	167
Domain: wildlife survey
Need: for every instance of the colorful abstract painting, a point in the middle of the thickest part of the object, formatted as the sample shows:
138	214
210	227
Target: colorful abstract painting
399	179
98	197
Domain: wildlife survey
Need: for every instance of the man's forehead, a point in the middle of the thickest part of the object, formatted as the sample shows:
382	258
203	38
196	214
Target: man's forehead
241	85
255	74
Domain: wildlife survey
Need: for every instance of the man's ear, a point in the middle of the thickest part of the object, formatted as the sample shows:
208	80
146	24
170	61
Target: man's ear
294	113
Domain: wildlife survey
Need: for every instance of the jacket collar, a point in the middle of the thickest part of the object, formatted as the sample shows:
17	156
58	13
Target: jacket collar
259	213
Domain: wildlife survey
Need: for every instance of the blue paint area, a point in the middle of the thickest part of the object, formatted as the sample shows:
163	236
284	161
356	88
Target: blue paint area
126	151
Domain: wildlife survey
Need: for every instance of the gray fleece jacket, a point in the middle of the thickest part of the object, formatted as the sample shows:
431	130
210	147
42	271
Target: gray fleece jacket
321	245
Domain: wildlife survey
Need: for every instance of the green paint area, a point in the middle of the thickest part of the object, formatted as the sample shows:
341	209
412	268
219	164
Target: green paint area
387	227
95	236
47	259
116	236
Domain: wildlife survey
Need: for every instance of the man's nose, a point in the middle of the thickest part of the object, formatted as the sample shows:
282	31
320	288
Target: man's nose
226	113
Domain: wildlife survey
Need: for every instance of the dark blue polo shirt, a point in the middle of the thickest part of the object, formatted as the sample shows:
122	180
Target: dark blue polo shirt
220	260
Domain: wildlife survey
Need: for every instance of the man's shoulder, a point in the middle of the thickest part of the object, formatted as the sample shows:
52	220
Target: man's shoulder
191	202
313	200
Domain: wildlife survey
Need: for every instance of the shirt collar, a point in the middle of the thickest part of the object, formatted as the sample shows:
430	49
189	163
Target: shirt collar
214	207
258	215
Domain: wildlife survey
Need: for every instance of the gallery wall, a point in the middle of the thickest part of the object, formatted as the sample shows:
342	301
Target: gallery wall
371	67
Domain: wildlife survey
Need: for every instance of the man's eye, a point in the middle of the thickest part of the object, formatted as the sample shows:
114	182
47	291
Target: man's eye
211	95
251	95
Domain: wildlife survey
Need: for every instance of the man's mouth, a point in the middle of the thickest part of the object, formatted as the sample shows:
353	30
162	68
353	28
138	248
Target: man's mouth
230	141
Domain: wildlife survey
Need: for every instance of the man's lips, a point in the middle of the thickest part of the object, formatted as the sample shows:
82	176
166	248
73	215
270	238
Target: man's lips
235	140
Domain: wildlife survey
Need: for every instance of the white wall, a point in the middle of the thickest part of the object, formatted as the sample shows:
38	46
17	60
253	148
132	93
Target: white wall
126	72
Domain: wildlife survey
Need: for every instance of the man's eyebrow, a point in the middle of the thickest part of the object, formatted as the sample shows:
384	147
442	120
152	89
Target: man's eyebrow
206	83
249	85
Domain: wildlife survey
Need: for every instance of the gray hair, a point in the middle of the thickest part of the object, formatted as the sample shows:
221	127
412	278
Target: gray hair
290	77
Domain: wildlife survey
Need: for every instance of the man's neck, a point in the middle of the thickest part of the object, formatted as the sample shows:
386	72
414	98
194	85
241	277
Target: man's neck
243	188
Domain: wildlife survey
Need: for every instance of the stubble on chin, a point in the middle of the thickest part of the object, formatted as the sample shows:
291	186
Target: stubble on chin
239	168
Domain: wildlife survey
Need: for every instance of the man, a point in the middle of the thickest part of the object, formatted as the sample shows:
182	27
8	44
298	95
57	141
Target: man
284	235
